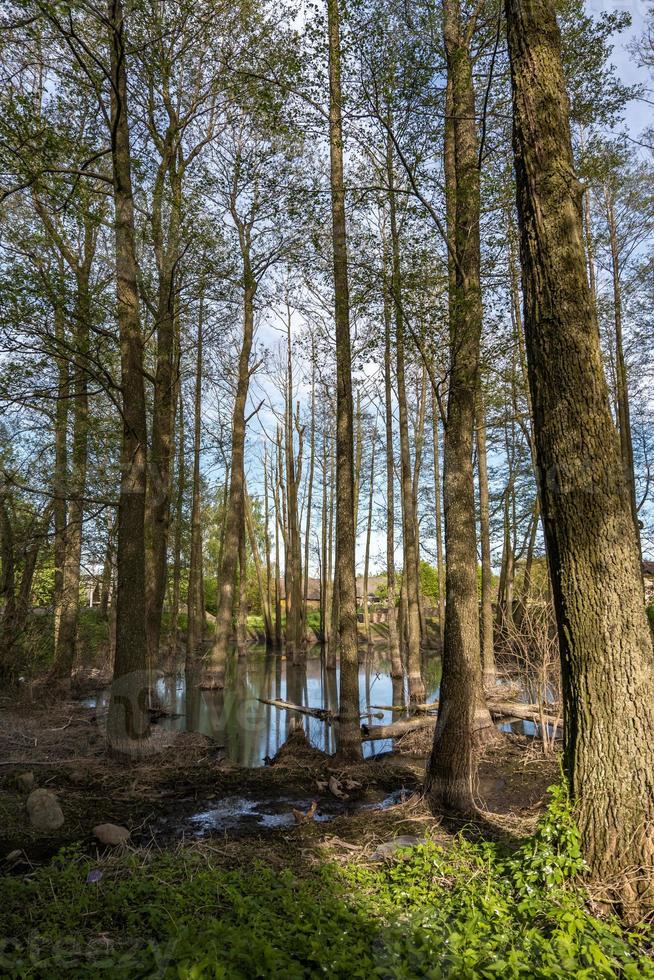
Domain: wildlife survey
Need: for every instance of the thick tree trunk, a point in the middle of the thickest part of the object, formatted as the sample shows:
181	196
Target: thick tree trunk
463	717
195	602
349	732
128	723
606	645
393	640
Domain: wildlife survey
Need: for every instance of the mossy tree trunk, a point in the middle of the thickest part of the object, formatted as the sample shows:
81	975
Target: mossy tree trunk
463	717
606	646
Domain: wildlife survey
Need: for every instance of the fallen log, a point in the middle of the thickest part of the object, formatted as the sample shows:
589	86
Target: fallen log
430	706
500	710
324	714
524	712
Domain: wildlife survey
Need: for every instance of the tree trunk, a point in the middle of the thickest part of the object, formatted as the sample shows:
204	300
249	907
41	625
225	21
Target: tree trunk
65	647
108	570
419	442
349	732
258	567
60	480
242	603
312	464
295	627
271	637
128	723
195	602
487	646
179	521
366	562
393	641
440	565
605	641
463	717
410	583
622	386
163	407
234	515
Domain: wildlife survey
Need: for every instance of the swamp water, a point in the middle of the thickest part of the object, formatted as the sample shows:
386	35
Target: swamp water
251	732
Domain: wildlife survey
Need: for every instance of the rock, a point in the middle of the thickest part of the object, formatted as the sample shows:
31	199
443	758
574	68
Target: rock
25	781
111	834
389	847
44	810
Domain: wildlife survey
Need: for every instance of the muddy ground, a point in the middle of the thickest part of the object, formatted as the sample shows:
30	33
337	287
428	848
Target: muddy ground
187	791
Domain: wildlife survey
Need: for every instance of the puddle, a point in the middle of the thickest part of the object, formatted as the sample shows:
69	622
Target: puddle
240	814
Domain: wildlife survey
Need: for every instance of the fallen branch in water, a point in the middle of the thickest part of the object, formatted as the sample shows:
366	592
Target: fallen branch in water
502	710
324	714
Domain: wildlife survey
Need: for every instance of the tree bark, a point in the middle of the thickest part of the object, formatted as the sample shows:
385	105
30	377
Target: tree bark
179	521
128	724
440	565
163	407
622	386
234	516
366	561
487	645
605	641
195	602
349	732
410	582
69	610
393	640
463	717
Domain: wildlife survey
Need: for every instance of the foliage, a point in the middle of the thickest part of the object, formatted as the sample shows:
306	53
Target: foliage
429	581
470	910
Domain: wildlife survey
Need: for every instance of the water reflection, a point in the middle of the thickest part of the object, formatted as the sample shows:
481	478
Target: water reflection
251	731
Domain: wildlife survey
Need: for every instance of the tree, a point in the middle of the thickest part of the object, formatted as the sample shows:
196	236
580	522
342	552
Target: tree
606	646
349	733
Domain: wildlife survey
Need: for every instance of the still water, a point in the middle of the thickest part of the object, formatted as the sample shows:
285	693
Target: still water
251	732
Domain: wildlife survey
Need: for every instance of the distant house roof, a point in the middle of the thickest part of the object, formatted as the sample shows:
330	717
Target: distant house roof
648	568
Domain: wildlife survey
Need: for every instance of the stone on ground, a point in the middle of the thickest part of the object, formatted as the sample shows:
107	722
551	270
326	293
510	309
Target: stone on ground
111	834
44	810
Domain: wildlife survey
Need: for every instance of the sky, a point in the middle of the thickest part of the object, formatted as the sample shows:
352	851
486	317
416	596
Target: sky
638	116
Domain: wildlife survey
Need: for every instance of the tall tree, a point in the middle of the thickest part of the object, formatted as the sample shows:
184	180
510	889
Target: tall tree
463	717
349	731
606	646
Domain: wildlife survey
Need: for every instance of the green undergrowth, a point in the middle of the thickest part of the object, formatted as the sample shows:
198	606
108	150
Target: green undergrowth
468	910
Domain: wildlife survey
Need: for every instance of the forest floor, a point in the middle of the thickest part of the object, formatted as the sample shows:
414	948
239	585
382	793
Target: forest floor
216	844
